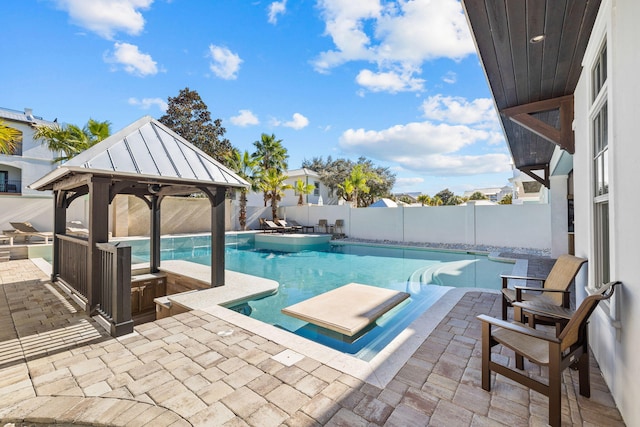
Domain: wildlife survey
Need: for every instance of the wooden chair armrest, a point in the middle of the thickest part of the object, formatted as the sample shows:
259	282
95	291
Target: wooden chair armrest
528	288
519	290
542	309
508	276
518	327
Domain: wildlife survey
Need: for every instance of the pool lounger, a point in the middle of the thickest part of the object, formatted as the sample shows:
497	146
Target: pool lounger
347	309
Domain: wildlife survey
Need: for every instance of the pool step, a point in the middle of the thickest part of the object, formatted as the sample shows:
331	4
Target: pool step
426	275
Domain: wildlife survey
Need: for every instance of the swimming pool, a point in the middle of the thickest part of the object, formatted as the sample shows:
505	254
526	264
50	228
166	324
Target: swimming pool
307	273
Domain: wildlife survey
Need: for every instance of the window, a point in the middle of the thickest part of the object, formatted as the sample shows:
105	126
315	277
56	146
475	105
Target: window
316	190
600	150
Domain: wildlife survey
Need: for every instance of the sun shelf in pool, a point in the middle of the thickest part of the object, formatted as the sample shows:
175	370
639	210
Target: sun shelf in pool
292	242
347	309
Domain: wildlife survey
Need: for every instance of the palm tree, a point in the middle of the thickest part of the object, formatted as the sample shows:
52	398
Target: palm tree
506	200
359	177
271	155
9	139
273	185
71	140
424	199
247	168
436	201
302	189
346	188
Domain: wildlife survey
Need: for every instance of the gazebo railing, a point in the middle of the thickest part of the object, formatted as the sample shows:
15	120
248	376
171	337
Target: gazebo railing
73	263
114	303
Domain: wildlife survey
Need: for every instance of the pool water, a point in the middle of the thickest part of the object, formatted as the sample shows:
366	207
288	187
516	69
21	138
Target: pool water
426	275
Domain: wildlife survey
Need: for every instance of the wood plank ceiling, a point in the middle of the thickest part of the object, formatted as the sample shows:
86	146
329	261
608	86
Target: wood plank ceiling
521	72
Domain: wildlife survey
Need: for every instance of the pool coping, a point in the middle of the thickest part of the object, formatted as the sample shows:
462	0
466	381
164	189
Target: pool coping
382	368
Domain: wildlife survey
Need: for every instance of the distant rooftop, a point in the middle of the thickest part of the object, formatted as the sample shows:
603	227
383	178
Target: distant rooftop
25	116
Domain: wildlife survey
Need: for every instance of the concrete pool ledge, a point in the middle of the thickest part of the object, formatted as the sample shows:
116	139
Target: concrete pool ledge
238	288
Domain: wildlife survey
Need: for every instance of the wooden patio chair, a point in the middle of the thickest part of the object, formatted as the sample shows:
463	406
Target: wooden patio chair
554	288
569	348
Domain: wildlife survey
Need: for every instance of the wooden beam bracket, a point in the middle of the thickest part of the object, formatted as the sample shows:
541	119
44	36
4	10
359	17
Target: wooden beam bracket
563	137
544	180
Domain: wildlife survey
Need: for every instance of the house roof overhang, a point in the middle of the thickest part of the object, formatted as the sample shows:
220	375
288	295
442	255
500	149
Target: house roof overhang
533	83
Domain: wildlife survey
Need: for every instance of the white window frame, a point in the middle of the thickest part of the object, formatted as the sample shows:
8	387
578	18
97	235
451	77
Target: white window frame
600	38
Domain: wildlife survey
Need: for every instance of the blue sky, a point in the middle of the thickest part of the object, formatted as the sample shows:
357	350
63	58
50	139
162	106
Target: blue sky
398	82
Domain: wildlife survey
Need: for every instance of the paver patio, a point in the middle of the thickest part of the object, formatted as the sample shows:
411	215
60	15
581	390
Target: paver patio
58	366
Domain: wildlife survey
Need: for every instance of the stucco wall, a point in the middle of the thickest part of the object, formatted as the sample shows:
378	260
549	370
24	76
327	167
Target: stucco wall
36	210
177	215
616	350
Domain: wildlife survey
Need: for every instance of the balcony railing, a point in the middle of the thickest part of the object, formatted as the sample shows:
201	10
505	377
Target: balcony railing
11	186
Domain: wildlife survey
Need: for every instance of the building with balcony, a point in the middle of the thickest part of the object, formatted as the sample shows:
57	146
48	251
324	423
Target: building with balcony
29	161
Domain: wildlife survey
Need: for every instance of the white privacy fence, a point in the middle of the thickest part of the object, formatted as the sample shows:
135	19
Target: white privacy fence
526	226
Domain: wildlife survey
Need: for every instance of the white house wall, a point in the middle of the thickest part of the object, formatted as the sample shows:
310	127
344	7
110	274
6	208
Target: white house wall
616	350
34	163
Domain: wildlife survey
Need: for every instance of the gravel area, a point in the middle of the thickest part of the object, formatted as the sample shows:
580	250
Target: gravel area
501	251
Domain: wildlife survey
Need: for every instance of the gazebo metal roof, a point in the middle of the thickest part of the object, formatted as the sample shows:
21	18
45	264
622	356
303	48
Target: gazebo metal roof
146	150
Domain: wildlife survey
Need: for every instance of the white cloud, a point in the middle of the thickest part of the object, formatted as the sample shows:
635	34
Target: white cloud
412	139
390	81
297	122
399	35
245	118
407	182
224	63
107	17
450	77
276	8
453	141
458	110
146	103
439	164
132	60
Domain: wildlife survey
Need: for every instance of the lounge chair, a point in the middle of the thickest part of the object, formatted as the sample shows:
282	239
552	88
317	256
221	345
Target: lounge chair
293	228
77	228
554	288
26	230
569	348
270	225
339	225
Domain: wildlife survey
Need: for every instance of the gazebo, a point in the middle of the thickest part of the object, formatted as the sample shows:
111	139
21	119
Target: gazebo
146	160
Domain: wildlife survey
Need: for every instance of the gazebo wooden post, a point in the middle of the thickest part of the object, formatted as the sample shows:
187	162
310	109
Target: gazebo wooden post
216	197
98	233
59	227
154	235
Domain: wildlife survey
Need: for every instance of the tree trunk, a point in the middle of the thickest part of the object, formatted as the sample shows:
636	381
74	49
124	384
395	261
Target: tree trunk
243	210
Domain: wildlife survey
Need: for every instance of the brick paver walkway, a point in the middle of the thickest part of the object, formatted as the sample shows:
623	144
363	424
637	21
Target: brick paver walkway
57	365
